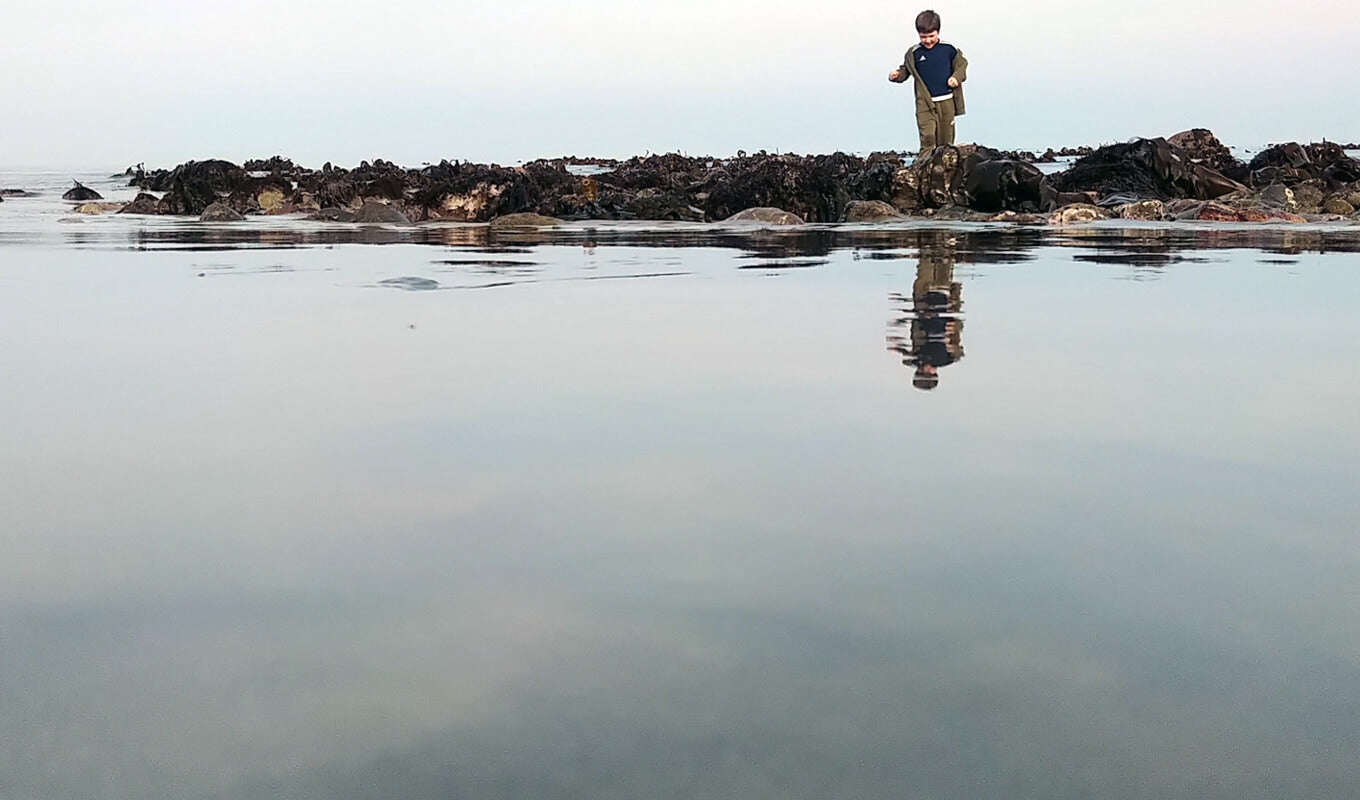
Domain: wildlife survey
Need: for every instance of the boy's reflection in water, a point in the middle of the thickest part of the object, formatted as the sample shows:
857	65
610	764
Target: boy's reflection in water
932	315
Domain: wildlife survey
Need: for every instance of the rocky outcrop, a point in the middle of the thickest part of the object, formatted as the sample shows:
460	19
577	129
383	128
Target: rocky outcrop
963	182
81	193
1151	169
191	187
1293	163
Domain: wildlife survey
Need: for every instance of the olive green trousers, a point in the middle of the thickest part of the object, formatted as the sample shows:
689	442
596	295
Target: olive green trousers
936	124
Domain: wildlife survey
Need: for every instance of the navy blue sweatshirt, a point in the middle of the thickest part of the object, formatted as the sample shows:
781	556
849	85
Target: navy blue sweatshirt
935	66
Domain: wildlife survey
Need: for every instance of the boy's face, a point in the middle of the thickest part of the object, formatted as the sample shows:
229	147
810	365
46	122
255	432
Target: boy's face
929	39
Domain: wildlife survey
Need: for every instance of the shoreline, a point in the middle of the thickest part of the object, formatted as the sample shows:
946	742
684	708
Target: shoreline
1190	176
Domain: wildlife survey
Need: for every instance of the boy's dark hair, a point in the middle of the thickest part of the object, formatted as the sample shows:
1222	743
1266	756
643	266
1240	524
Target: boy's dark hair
927	21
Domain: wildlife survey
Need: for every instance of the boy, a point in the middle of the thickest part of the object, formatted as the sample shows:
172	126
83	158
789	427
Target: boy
939	70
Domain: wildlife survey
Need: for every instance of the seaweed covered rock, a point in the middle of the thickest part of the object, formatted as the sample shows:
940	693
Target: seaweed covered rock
1150	169
80	193
1292	163
972	177
1203	147
193	186
1000	184
816	188
463	192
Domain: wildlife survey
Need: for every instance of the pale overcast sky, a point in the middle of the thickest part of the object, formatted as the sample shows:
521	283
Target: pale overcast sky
112	82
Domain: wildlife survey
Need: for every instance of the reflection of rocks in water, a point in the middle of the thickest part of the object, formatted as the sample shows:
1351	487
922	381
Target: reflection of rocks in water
410	283
927	326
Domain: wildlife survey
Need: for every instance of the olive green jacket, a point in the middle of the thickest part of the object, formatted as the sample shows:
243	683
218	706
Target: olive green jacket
923	100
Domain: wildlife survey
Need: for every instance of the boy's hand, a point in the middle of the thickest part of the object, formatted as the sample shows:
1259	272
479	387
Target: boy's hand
953	84
896	75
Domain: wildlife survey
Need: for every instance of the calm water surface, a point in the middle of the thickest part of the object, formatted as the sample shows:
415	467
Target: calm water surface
294	510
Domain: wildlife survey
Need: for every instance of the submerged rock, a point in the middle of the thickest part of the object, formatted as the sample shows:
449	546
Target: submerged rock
220	212
374	213
410	283
769	216
869	211
524	220
98	208
81	193
333	215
